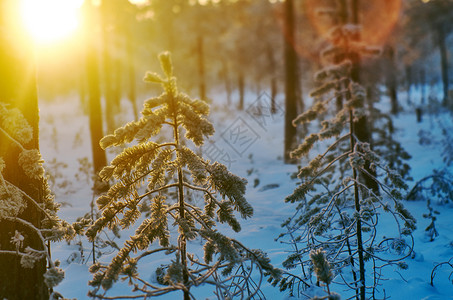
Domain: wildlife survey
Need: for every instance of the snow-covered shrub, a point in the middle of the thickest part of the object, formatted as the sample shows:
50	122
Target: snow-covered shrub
170	169
431	230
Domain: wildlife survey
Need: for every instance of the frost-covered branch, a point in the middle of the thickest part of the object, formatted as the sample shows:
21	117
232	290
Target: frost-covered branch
12	139
166	187
33	201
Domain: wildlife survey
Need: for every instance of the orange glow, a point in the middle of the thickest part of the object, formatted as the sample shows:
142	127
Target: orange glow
48	21
377	18
139	2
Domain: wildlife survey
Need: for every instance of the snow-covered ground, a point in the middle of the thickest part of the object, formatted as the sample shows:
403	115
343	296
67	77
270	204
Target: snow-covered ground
258	157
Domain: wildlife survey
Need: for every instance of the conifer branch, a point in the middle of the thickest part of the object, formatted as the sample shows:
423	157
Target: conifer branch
200	279
127	297
157	291
198	217
166	145
333	240
166	187
195	217
112	194
331	203
44	252
318	174
36	204
14	252
3	182
31	226
150	252
196	188
169	211
12	139
388	190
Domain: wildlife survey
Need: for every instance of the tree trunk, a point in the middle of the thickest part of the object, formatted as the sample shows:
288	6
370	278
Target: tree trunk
18	89
182	242
291	83
391	80
107	70
443	62
241	88
116	87
273	95
422	87
201	73
357	206
226	78
409	84
361	130
339	57
272	66
132	95
94	95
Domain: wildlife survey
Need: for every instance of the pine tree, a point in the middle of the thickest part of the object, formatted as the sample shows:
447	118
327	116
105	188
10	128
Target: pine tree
169	167
337	210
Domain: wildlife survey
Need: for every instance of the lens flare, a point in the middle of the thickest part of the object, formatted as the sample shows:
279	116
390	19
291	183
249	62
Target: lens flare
376	17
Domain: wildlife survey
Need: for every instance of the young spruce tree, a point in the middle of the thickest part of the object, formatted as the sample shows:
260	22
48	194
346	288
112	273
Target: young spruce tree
336	209
165	168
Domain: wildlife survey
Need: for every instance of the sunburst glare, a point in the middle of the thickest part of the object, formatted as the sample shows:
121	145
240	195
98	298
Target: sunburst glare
50	20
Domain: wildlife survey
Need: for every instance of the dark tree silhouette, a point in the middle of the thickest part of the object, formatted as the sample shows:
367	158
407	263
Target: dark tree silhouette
291	81
18	90
94	93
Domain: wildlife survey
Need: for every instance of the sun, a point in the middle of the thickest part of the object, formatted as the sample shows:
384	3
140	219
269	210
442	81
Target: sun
48	21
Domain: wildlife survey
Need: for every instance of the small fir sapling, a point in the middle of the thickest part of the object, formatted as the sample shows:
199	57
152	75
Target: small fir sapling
171	169
335	209
13	201
431	230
